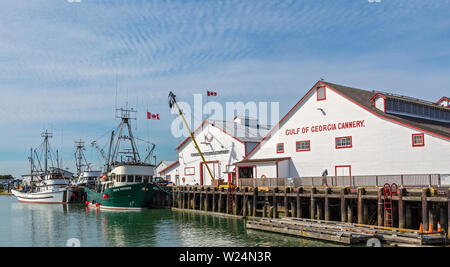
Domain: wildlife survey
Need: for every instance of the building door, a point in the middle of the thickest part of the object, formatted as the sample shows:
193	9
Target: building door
205	177
343	175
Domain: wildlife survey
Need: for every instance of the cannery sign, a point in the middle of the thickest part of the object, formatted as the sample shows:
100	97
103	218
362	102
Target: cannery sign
326	127
211	153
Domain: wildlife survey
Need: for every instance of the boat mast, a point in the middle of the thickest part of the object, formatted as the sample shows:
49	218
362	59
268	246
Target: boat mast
79	156
125	116
46	135
172	102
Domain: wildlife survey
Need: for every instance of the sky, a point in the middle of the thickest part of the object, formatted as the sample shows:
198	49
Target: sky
66	64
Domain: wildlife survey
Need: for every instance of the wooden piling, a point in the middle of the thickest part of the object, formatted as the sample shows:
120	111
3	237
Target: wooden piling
201	199
214	204
424	209
275	203
401	209
350	211
236	206
313	205
220	201
343	206
327	205
244	201
254	201
298	213
207	206
285	202
360	206
380	207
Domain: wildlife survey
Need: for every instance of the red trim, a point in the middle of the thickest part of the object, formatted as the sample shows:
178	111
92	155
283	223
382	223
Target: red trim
343	166
423	139
371	111
280	152
335	142
443	98
278	124
212	124
389	119
176	162
201	169
324	93
189	168
380	95
372	100
301	150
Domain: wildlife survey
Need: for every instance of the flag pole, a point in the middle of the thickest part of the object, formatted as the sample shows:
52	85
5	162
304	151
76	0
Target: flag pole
173	101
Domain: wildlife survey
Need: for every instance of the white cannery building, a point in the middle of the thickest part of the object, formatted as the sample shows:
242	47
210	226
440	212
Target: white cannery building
222	143
349	131
170	171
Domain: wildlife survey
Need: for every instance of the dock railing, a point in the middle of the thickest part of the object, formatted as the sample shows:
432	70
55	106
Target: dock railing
404	180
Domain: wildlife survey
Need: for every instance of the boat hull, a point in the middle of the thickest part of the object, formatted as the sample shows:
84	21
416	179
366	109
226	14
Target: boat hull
50	197
128	197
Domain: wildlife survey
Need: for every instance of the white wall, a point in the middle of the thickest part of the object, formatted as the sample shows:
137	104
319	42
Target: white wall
380	147
220	142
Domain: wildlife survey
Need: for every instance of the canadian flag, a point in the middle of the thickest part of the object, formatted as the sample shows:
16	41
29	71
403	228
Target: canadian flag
210	93
151	116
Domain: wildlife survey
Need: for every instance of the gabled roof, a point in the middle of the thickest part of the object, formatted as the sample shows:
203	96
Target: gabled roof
241	133
443	98
170	166
363	99
167	162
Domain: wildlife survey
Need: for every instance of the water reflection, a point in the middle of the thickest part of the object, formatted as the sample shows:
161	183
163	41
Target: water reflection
44	225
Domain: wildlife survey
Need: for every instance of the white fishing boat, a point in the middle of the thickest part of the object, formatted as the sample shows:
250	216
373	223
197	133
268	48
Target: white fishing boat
45	185
86	176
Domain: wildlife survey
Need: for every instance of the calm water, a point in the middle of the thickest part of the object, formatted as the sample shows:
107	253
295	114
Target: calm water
52	225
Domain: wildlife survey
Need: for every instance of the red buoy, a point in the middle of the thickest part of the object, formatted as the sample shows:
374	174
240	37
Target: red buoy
73	194
87	202
105	196
98	204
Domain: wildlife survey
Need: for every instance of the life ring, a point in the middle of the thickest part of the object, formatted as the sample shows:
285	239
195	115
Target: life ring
209	137
263	176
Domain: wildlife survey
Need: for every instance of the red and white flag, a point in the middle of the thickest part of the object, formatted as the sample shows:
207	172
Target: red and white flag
151	116
210	93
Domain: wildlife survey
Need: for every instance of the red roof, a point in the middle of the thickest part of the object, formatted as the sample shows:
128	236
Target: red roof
359	97
176	162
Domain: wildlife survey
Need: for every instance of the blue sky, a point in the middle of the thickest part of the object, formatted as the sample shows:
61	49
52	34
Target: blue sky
59	60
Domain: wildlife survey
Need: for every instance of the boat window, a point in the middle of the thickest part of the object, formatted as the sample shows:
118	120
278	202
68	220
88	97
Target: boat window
130	178
138	179
123	180
145	179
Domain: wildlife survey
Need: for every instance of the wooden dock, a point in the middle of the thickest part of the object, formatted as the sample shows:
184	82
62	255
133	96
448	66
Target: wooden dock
360	209
346	233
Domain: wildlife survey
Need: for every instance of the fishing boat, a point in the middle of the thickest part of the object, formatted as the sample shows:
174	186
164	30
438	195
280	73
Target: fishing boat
49	185
127	183
86	176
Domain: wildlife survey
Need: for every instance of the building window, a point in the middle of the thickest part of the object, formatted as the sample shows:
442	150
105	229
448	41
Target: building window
321	94
343	142
303	146
189	171
280	148
418	140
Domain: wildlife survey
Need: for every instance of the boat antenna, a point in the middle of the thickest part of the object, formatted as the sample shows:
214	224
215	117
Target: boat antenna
172	103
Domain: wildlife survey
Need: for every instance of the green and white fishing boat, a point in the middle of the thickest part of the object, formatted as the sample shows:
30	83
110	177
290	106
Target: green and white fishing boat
127	183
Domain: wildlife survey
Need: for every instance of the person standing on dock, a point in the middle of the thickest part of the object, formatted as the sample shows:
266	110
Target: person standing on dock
324	177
